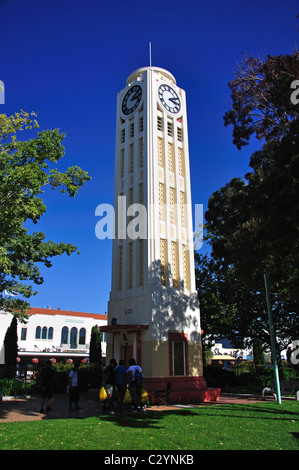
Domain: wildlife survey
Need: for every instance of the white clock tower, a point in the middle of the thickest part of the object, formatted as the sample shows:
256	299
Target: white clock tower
153	311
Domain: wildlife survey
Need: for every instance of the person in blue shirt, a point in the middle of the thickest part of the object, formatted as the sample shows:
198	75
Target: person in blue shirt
135	379
121	383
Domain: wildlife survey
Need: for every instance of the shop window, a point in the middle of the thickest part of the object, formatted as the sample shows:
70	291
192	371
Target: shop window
23	334
82	335
64	335
73	337
44	332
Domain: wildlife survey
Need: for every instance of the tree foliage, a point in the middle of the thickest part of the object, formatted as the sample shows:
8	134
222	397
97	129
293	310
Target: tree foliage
237	310
11	349
95	346
252	222
260	94
26	168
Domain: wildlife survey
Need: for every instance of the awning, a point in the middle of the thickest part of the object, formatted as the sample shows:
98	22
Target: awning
223	357
127	327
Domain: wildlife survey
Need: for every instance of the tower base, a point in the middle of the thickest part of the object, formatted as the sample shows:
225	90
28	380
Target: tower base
184	390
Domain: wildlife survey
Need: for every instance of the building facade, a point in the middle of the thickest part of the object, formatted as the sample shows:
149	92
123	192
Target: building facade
52	334
153	311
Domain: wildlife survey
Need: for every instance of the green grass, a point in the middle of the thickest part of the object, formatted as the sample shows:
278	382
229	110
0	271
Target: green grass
262	426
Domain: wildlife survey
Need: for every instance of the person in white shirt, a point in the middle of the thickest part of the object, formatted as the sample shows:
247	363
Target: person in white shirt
74	387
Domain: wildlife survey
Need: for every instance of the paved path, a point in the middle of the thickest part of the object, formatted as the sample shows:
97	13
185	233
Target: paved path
28	409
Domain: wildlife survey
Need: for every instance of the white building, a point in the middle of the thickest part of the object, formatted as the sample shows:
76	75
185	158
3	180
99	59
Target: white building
49	333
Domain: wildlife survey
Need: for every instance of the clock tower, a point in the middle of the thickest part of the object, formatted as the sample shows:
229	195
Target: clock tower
153	310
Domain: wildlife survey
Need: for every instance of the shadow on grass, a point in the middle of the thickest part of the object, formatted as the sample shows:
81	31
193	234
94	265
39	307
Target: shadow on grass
153	419
253	411
149	419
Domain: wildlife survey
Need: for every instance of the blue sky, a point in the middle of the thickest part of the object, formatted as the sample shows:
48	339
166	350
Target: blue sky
66	60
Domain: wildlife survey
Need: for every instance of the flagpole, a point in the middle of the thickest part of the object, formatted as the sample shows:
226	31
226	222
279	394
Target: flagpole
272	336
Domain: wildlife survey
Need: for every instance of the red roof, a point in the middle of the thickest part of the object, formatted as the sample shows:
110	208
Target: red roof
52	311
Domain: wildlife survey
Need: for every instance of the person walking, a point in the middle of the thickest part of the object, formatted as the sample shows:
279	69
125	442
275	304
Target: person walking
135	379
47	376
121	383
74	387
109	383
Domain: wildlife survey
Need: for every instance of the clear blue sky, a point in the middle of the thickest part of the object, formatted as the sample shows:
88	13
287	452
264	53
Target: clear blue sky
67	60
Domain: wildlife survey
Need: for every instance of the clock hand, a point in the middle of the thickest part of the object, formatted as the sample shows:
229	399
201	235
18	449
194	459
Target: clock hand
175	100
135	96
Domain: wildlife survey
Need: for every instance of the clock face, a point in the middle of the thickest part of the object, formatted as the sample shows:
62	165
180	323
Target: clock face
169	98
131	100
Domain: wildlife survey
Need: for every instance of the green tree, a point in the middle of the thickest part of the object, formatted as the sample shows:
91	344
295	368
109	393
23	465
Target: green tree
11	349
233	308
252	222
95	346
260	98
26	168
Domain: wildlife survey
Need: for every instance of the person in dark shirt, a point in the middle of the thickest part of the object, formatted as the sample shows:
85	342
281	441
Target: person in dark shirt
135	379
47	385
109	382
121	383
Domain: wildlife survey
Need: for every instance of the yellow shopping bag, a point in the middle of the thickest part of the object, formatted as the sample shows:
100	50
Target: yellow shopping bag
103	394
144	396
127	397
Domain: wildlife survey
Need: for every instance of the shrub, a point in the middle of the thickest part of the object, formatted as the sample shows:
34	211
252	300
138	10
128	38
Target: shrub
12	387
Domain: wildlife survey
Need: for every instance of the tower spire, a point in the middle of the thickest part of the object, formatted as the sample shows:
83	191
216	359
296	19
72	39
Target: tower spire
150	53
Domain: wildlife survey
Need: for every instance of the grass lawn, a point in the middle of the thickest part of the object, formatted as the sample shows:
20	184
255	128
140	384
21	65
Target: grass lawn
262	426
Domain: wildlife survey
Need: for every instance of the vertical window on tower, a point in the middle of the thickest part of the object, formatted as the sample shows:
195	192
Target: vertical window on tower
122	163
120	268
181	161
121	219
171	157
132	129
131	196
131	158
140	241
186	268
163	260
180	134
141	152
162	202
175	265
123	135
141	124
160	123
161	153
172	205
140	193
130	276
183	208
170	128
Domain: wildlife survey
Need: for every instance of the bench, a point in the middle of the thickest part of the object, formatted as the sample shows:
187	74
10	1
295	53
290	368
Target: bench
290	386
